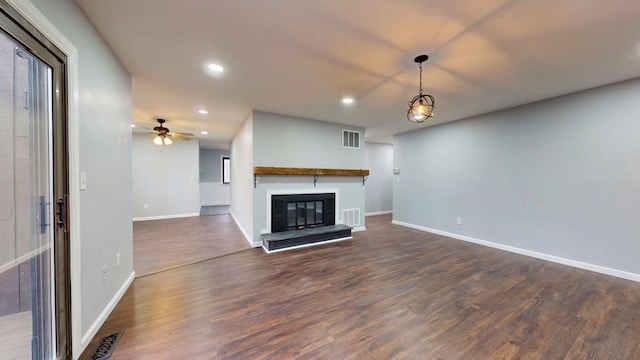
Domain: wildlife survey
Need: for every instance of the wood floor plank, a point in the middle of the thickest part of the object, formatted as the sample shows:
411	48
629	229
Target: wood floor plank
390	293
16	334
159	245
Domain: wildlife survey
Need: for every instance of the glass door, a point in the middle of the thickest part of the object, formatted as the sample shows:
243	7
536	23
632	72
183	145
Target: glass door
34	288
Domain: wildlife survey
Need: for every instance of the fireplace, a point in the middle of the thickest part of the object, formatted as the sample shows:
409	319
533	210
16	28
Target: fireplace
300	211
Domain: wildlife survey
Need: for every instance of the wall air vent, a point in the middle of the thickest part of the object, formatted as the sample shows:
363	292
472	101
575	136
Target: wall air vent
351	217
350	139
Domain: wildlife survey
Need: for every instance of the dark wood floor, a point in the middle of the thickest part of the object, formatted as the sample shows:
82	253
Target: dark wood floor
390	293
159	245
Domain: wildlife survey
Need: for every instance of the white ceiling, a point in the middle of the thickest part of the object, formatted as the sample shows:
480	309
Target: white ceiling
300	57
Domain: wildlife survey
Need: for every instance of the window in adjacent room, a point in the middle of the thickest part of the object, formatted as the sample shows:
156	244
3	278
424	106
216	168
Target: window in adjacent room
226	170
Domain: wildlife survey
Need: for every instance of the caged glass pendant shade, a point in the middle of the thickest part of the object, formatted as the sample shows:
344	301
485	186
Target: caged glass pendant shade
421	106
167	141
157	140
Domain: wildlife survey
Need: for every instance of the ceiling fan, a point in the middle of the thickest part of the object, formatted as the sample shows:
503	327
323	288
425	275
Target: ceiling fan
163	135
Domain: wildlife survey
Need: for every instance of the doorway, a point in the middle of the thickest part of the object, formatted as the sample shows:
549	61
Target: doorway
34	253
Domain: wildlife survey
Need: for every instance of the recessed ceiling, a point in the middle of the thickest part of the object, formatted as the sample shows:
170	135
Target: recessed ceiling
301	57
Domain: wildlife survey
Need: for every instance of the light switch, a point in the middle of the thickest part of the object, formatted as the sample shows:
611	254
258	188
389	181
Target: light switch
83	181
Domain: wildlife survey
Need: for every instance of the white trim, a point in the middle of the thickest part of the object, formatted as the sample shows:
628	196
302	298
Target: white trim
162	217
305	245
379	213
215	203
243	231
556	259
93	329
272	192
26	9
358	229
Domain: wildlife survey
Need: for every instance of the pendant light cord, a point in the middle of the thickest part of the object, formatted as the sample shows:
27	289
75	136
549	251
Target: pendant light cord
420	92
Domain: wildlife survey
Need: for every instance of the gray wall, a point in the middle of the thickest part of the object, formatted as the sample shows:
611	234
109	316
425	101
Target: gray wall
211	164
379	188
558	177
242	178
105	155
165	178
212	190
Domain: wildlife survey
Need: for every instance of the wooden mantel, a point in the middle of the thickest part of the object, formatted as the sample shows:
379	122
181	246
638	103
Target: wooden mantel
265	170
315	172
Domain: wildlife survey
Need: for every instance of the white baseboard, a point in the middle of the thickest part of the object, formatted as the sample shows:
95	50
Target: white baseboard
162	217
93	330
379	213
358	228
242	230
215	203
556	259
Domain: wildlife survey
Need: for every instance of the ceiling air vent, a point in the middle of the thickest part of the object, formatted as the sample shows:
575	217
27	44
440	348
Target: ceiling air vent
350	139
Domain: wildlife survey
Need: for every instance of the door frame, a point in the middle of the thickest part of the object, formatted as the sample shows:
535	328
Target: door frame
48	33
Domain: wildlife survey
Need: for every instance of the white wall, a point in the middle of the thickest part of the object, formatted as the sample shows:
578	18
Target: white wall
242	179
558	177
104	152
165	179
212	190
379	188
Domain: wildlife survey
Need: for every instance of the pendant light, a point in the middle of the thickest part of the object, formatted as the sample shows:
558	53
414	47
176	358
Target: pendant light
421	106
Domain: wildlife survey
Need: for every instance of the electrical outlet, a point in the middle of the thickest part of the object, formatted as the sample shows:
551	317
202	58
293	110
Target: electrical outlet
104	273
117	260
459	221
146	206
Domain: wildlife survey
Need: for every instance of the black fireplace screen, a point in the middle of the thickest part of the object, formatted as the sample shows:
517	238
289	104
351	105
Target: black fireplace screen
290	212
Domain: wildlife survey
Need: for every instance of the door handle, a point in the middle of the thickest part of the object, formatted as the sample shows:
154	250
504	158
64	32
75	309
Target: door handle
63	213
43	214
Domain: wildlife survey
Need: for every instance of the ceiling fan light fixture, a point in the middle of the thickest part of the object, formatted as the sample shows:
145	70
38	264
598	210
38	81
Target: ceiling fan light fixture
163	136
421	106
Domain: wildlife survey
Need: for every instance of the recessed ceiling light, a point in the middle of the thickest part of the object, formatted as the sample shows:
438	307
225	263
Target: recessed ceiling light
133	125
215	67
347	100
203	111
204	132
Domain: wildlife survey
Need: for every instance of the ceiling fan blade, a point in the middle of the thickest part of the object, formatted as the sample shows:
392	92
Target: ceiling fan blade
182	133
179	137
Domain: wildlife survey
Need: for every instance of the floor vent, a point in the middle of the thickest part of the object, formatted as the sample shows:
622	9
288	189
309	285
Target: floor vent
351	217
106	346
